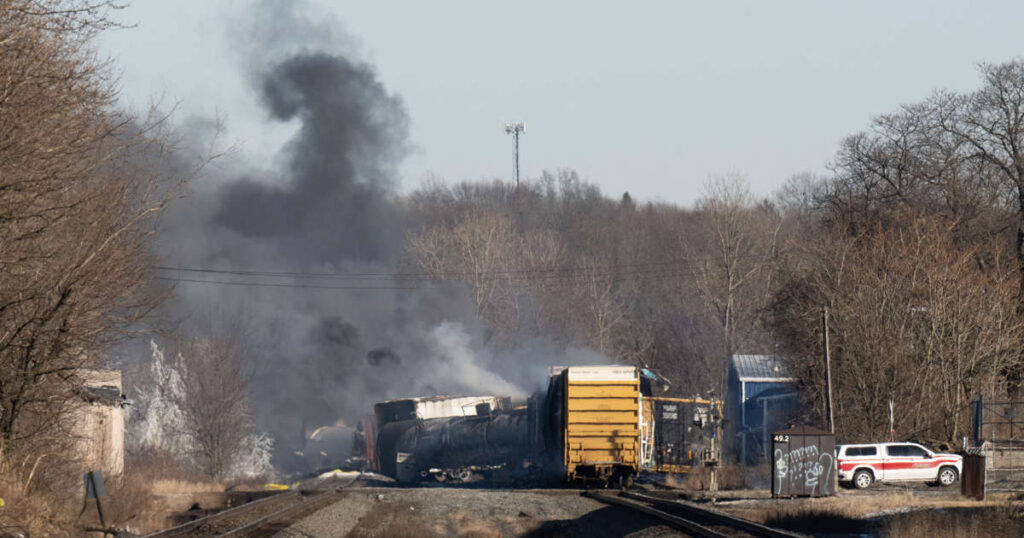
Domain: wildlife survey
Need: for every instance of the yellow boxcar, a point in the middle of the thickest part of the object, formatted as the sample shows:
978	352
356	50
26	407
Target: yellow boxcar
602	422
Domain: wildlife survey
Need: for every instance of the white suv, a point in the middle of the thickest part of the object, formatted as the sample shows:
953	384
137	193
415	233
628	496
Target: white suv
886	462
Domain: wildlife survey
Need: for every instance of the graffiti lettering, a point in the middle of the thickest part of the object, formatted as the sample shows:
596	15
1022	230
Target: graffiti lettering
805	464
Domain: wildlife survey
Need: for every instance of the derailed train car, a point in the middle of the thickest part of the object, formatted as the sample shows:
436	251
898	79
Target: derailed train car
593	423
458	449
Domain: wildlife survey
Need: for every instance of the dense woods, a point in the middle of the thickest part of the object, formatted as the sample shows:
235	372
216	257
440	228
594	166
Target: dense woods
651	284
914	242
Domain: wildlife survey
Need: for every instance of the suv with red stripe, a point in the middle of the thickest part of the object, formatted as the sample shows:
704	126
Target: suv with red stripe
860	465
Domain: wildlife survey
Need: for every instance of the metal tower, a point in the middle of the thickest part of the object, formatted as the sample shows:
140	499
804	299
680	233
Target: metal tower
515	129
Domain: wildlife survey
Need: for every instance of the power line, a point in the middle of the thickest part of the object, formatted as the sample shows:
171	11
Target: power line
281	285
621	278
611	270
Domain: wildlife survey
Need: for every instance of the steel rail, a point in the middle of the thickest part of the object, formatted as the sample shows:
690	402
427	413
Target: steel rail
679	523
718	517
185	529
286	515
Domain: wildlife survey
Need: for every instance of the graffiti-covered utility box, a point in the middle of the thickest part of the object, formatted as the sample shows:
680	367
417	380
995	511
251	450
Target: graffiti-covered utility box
803	462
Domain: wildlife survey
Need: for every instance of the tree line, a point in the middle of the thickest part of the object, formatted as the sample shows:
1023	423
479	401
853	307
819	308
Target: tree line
914	242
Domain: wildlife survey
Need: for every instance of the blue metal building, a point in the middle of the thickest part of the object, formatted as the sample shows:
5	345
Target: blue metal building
761	396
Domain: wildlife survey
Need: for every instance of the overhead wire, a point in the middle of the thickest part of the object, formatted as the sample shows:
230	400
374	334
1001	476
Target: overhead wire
508	277
425	275
282	285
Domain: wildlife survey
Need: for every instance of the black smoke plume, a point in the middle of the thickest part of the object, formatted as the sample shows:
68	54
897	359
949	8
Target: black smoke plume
332	203
325	348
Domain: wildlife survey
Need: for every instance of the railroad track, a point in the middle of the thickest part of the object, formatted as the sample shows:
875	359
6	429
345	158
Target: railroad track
690	518
258	518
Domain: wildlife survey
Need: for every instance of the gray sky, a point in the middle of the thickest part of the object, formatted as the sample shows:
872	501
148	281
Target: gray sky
645	97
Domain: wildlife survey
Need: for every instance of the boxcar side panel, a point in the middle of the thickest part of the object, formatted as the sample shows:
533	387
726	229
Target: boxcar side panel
602	426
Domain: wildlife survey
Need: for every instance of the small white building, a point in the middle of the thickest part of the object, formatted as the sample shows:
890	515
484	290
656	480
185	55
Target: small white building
100	421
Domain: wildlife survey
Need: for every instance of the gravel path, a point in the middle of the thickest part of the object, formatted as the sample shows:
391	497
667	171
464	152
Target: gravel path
472	512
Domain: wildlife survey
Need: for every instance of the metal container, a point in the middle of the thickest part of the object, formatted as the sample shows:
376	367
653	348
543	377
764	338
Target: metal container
417	448
602	421
972	483
435	407
803	462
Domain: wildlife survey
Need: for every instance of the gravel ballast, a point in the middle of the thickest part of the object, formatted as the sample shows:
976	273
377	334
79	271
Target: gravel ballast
473	512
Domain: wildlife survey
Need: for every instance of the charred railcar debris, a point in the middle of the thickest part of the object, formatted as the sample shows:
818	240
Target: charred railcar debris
592	423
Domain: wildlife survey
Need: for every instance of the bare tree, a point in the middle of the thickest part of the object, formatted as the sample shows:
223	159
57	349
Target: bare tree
914	318
733	254
498	263
78	198
960	155
991	122
214	401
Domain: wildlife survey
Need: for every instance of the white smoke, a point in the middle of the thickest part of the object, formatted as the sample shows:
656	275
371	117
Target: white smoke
461	365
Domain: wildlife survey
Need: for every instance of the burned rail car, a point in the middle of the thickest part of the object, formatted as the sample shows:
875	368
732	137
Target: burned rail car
593	423
458	449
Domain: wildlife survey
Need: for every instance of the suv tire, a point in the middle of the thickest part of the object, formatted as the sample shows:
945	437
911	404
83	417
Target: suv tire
947	476
862	479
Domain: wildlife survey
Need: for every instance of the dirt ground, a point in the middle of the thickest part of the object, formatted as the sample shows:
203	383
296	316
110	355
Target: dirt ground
472	512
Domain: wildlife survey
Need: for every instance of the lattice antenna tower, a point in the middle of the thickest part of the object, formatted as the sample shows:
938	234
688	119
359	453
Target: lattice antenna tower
515	129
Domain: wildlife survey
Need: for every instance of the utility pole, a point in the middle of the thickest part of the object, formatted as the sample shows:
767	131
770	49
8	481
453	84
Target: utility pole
828	372
515	129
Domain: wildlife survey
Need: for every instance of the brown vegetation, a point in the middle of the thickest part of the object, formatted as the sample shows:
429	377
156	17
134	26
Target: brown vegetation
555	259
80	188
728	476
214	403
908	243
915	318
896	514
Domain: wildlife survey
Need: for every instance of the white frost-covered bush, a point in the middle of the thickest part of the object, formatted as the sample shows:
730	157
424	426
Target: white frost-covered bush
168	416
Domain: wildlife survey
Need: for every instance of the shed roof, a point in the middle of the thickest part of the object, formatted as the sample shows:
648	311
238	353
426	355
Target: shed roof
760	368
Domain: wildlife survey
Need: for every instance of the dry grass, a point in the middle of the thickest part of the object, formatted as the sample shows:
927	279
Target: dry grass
139	503
29	515
897	514
840	506
699	479
165	486
40	492
129	505
1006	520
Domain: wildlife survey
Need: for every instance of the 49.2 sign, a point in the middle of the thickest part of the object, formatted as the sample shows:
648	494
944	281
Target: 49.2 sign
778	438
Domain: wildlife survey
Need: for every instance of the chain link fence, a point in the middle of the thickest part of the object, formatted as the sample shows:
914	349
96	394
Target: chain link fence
998	434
